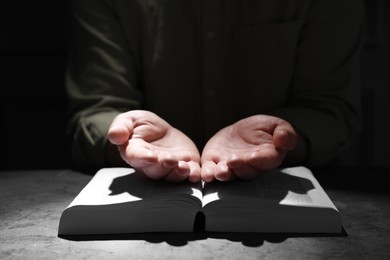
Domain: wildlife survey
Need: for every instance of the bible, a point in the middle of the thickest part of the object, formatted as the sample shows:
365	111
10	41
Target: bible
122	200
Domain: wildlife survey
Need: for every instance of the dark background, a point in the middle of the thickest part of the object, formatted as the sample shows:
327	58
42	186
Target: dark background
34	38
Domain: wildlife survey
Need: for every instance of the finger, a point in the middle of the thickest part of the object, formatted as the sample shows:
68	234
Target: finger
235	162
222	171
240	168
122	152
168	161
138	155
120	130
178	173
285	138
207	171
266	159
155	171
246	172
194	175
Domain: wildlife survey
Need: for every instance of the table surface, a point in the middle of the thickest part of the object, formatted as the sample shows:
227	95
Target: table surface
31	203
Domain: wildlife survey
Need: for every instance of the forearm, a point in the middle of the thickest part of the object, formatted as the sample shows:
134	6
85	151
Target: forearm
100	80
324	102
325	134
88	137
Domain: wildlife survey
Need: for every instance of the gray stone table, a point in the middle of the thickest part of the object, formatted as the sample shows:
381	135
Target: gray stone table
31	203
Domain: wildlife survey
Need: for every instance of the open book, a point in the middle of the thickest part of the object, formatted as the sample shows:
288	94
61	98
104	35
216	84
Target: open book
121	200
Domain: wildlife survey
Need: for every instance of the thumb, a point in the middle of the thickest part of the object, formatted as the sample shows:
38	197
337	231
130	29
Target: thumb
120	130
285	138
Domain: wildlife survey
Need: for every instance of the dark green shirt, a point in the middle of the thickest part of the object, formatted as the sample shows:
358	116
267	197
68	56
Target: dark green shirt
204	64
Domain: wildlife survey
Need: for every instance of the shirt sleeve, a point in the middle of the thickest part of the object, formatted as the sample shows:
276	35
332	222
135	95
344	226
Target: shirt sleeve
324	103
100	80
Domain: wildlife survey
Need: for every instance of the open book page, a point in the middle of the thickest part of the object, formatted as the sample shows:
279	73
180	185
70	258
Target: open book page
121	185
312	192
283	200
121	200
294	186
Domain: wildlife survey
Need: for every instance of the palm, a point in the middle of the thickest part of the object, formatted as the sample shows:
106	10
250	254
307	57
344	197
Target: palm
151	145
228	145
244	149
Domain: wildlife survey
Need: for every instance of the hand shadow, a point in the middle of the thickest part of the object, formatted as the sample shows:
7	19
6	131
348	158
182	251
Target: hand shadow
276	186
138	185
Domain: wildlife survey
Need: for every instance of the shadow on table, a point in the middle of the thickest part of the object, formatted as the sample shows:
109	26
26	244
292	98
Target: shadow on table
135	184
182	239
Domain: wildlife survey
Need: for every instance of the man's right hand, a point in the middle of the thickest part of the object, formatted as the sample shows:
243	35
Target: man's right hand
151	145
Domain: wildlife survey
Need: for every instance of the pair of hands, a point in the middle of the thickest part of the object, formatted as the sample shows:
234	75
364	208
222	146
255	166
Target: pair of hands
251	145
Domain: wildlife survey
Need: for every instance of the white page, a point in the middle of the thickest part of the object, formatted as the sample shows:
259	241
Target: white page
289	186
119	185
